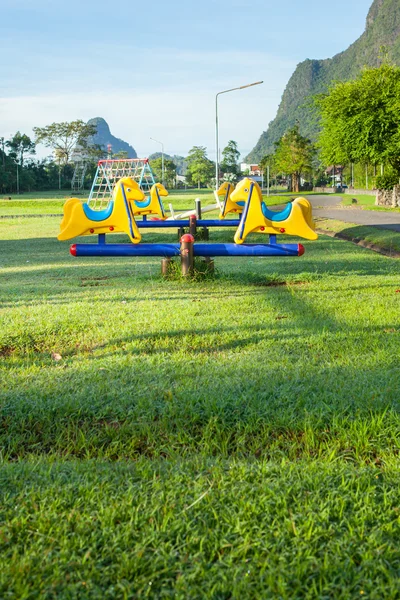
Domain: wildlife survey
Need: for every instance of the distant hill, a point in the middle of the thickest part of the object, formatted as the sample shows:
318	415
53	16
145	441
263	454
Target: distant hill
178	160
104	137
314	76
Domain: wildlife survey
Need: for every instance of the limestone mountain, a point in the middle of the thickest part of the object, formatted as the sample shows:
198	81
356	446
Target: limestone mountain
382	33
104	137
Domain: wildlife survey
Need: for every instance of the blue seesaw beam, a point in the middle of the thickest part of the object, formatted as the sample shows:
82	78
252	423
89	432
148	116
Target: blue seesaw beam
170	250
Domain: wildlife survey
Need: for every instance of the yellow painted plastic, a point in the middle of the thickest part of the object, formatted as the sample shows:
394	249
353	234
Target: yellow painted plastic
76	223
155	206
226	189
299	222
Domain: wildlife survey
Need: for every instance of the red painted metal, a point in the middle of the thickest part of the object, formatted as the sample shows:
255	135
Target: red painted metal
188	238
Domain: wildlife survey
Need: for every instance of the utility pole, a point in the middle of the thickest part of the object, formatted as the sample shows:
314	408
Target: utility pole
162	159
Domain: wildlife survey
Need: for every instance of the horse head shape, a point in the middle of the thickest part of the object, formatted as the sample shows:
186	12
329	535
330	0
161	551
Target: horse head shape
80	219
226	189
294	219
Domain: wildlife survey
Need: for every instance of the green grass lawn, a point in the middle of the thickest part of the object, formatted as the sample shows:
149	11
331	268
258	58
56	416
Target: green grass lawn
51	203
365	202
230	438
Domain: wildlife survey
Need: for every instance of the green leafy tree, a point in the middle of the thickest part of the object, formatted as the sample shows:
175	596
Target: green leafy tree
230	157
200	169
294	156
267	165
360	119
267	161
121	155
20	145
62	138
169	170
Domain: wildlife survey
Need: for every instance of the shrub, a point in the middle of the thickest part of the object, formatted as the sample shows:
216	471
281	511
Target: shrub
387	181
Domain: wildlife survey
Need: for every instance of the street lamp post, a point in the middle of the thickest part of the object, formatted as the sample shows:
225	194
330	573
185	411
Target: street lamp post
162	159
242	87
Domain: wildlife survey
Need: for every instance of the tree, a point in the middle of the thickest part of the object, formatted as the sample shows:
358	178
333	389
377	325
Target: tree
267	165
121	155
360	119
169	170
64	137
294	156
200	169
20	144
230	157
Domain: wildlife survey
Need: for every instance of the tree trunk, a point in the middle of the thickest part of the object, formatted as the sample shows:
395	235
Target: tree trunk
295	182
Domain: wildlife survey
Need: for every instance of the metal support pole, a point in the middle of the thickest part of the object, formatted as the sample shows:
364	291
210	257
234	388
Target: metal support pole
165	266
198	208
162	165
186	252
210	264
268	180
193	225
216	143
162	159
242	87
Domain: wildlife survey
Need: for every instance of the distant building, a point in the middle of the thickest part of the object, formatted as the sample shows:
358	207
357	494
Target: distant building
251	168
335	173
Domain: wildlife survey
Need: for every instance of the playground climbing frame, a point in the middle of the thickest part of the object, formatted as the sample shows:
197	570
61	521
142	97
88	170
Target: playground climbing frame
109	172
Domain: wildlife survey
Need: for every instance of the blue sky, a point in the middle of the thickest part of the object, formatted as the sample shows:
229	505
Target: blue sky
152	69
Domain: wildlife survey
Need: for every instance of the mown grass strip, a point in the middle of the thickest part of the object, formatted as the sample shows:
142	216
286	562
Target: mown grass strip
376	238
201	528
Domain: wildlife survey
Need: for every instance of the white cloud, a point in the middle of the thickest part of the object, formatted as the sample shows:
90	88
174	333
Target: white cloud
176	107
179	119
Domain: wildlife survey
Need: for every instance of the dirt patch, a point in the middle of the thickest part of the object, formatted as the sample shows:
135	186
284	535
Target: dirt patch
270	283
6	350
279	283
93	281
96	278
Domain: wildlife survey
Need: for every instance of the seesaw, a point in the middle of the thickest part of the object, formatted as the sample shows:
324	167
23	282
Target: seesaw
129	202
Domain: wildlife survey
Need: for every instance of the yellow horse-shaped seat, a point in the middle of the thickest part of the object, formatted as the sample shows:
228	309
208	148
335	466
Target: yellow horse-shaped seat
295	219
152	205
228	206
80	219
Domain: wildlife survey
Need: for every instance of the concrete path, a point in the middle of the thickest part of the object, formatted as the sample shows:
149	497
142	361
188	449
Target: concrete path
328	207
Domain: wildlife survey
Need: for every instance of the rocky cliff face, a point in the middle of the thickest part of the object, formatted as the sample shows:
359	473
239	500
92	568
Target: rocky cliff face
312	77
104	137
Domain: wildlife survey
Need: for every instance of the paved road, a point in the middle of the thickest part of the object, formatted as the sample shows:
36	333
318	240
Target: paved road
327	207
